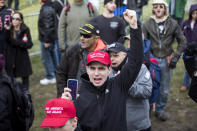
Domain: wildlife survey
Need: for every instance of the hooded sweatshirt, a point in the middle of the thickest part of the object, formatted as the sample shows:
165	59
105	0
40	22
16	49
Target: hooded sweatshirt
189	32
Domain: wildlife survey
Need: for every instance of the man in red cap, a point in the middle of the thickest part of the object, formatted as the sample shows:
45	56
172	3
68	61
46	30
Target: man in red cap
60	115
101	105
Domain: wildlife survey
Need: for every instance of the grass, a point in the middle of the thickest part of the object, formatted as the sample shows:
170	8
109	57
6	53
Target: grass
179	106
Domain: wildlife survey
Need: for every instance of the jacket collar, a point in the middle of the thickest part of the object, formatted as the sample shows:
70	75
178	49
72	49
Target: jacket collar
100	45
159	20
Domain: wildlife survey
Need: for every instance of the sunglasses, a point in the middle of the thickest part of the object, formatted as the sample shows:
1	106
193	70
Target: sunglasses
18	19
156	6
85	35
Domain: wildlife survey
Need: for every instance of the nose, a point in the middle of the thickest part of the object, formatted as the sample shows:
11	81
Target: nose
96	73
81	37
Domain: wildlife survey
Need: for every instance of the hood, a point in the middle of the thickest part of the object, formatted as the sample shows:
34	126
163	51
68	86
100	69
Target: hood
166	11
192	8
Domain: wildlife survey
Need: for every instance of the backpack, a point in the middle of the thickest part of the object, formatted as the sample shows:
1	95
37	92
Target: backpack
154	69
89	6
23	112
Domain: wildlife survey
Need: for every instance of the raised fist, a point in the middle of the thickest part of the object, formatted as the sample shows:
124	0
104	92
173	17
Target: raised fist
131	18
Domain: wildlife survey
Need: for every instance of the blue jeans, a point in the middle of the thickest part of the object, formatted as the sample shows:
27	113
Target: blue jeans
59	52
166	75
186	81
50	59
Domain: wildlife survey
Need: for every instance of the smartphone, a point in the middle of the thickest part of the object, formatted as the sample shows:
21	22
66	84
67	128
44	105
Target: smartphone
7	20
73	85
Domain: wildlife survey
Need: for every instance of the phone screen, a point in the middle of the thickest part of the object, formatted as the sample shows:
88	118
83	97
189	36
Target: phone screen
73	85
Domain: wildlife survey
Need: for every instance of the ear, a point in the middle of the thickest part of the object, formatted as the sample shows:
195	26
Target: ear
110	69
74	122
98	37
87	70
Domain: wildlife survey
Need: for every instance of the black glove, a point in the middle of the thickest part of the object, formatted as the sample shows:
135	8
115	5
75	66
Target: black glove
173	62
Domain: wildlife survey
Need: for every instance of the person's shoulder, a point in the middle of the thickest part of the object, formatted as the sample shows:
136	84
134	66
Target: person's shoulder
186	22
147	22
4	81
25	28
118	18
98	17
73	49
172	21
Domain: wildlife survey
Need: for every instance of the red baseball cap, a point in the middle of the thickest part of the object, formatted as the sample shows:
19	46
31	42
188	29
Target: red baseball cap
58	112
99	56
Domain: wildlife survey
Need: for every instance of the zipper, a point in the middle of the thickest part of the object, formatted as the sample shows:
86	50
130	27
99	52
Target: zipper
159	39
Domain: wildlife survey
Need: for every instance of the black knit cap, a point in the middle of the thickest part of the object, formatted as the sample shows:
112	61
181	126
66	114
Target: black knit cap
106	1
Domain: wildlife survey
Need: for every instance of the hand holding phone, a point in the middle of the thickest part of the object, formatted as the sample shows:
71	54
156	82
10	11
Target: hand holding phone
73	85
7	22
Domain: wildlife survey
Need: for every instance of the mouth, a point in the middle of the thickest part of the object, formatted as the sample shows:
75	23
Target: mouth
97	80
82	44
158	11
113	64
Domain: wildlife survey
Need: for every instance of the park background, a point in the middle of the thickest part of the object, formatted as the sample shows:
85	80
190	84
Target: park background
180	108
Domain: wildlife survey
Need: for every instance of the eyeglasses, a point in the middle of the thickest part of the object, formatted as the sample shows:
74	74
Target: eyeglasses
156	6
85	35
18	19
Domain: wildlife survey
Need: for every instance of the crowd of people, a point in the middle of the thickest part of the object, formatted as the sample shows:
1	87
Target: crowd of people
114	81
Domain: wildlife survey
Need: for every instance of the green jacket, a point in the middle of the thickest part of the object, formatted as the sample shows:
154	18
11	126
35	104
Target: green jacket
179	7
70	22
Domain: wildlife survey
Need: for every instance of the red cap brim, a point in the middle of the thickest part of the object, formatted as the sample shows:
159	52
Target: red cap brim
54	122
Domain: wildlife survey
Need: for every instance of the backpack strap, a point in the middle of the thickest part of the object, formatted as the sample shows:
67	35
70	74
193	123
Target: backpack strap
67	6
89	6
61	3
90	9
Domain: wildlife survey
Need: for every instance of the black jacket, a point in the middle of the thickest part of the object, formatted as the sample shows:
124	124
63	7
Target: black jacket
191	67
4	13
6	106
47	23
58	6
104	108
68	67
17	58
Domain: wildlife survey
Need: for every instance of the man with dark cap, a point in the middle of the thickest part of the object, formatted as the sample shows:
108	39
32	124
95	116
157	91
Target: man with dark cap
73	62
137	105
112	27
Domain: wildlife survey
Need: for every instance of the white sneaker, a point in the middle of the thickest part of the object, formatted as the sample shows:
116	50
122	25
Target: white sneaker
46	81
